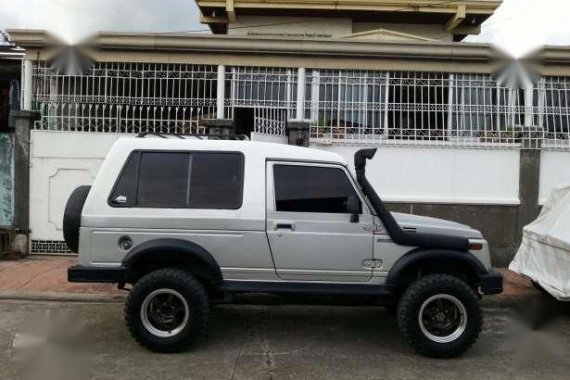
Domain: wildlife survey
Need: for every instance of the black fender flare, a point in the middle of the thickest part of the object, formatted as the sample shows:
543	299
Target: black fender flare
418	255
173	249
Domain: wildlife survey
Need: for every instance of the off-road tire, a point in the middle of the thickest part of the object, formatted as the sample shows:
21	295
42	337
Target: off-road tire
409	308
183	283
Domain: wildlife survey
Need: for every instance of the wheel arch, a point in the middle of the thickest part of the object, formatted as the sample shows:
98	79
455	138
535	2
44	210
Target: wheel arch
434	261
175	253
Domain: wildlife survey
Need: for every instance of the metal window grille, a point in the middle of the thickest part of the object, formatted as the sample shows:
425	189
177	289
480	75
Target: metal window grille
127	98
385	107
270	121
346	105
269	91
552	111
482	111
412	108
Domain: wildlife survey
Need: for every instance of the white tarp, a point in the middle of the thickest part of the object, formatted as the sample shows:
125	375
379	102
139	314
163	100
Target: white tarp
544	255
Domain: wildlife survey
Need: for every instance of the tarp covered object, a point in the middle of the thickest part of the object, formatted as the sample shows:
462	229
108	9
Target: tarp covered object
544	255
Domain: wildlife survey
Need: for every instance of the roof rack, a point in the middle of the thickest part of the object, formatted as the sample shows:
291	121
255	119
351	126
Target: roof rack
198	136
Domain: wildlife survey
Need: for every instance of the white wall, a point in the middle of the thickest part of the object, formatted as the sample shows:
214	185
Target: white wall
301	27
60	162
435	175
434	31
554	171
255	136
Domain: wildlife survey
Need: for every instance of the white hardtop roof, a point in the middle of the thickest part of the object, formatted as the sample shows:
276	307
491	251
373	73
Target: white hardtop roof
248	148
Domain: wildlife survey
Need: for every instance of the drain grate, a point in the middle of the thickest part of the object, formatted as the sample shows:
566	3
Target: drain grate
50	247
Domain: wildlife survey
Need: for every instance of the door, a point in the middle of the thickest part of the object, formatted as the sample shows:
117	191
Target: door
244	120
311	234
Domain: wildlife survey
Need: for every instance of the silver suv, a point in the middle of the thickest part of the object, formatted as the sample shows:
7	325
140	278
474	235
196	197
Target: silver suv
187	222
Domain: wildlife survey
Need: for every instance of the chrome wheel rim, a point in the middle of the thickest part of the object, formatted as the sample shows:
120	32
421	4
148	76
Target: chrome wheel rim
165	313
442	318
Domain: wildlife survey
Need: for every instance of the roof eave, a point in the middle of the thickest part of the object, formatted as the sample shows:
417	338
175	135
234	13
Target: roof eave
270	45
550	60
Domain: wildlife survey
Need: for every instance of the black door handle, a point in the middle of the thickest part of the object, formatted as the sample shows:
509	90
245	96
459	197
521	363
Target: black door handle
285	226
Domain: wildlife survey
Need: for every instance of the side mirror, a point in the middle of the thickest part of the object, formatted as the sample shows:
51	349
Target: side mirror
353	207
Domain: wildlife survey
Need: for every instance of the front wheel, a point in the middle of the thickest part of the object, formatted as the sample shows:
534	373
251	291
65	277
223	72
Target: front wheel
440	316
166	310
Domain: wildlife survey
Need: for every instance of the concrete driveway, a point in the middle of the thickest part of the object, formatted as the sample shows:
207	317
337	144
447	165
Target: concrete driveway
302	342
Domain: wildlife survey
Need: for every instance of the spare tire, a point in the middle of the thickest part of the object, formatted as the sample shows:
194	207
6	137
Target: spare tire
72	217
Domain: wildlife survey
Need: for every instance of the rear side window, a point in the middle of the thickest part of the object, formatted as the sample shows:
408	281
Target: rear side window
311	189
180	180
216	180
163	179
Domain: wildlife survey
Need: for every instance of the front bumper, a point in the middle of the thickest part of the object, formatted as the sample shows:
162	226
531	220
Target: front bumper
80	273
491	282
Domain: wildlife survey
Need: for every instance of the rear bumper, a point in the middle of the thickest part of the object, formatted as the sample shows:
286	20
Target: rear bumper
80	273
491	282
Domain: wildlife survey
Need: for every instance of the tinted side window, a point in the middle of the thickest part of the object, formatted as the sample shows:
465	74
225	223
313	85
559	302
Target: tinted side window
216	180
311	189
125	193
163	179
180	180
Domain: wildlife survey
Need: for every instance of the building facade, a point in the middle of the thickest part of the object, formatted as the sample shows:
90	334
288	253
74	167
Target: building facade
460	135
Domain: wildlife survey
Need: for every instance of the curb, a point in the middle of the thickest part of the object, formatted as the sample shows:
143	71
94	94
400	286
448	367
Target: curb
61	297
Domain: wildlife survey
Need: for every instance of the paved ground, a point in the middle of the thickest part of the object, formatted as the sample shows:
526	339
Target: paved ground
286	340
303	342
45	274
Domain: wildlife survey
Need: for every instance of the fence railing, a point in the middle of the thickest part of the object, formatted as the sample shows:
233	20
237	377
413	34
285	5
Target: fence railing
414	108
127	98
341	106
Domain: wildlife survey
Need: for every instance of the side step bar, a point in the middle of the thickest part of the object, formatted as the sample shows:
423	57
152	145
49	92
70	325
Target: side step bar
305	288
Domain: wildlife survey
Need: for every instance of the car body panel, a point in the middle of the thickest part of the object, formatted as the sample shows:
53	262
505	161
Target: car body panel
320	246
435	225
325	248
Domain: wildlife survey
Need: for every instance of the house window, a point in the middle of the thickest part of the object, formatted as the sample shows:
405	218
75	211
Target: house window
555	107
345	104
474	100
417	105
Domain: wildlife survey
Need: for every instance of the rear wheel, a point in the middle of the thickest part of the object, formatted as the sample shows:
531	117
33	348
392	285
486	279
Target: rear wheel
166	310
440	316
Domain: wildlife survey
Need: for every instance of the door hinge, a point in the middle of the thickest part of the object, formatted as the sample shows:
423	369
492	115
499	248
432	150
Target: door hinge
372	263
